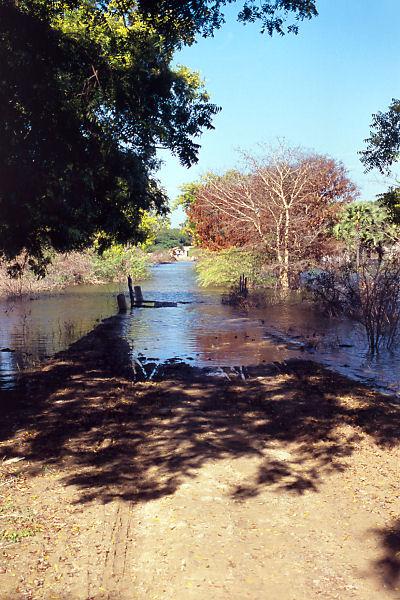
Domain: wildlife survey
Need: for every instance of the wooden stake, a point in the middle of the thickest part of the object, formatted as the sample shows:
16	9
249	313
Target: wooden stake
122	305
131	292
138	294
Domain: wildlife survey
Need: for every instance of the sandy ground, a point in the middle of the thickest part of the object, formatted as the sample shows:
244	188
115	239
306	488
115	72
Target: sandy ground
282	486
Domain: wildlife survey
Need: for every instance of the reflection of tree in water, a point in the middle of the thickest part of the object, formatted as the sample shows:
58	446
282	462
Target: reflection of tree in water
35	329
239	346
15	336
8	364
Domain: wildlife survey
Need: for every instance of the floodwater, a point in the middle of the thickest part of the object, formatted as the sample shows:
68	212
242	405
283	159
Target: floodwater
200	330
34	329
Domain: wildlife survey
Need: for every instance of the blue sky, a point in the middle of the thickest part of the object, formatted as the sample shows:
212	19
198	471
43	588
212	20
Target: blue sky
318	89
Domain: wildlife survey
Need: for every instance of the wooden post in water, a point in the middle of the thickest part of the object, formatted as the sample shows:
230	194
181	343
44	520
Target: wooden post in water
243	285
138	294
131	292
122	305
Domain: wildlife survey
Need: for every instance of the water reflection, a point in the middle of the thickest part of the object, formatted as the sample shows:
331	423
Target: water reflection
199	330
206	333
36	329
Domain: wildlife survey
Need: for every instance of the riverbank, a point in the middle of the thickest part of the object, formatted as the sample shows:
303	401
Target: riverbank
283	485
83	268
74	269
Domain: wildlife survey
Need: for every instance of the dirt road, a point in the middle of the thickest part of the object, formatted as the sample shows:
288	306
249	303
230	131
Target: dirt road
283	486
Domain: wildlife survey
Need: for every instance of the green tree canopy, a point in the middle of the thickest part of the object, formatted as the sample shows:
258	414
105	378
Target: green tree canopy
382	152
184	19
383	145
86	97
188	195
366	225
170	237
88	94
390	200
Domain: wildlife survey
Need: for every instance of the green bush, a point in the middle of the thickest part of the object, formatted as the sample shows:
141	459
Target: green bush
223	269
116	263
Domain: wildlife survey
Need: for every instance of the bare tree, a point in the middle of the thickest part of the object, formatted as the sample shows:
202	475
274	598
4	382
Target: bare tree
285	203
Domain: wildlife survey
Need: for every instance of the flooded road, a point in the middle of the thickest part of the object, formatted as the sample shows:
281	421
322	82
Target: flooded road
31	330
200	330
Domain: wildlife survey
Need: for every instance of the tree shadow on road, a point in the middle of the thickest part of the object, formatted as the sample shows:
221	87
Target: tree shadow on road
117	439
388	566
137	441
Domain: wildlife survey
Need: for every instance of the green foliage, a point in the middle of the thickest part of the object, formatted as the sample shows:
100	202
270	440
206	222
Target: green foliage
383	146
182	20
150	226
187	198
87	94
74	268
189	191
117	262
168	238
390	200
383	151
223	269
365	225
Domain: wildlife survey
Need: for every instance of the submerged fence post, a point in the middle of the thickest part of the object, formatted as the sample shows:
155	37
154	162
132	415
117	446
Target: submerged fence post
131	292
138	294
243	285
122	305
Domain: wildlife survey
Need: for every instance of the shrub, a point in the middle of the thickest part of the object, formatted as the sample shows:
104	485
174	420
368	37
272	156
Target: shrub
223	269
74	268
116	263
369	295
70	269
